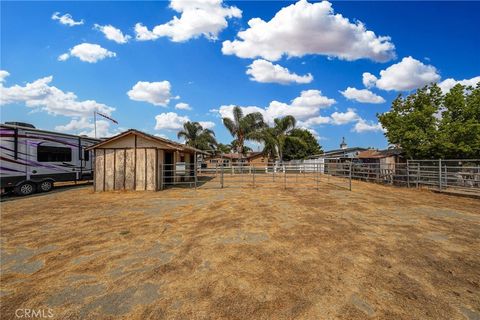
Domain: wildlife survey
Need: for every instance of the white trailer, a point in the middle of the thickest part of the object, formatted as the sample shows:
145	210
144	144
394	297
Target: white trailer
32	159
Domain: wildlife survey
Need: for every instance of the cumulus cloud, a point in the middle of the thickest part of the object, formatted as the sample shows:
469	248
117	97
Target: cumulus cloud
112	33
183	106
340	118
405	75
309	28
264	71
368	79
362	95
449	83
170	121
40	95
87	52
197	18
207	124
367	126
156	93
85	126
303	107
66	19
3	74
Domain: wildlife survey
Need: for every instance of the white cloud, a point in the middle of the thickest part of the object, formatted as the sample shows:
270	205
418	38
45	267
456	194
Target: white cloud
198	17
183	106
112	33
449	83
66	19
39	94
309	28
87	52
406	75
264	71
63	57
363	95
340	118
367	126
368	79
85	126
306	106
207	124
156	93
170	121
315	121
3	75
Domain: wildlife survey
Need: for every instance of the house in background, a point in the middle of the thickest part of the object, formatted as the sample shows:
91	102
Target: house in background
134	160
340	155
237	159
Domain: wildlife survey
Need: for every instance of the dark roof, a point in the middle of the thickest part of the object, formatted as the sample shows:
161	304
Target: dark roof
173	144
238	155
328	153
378	154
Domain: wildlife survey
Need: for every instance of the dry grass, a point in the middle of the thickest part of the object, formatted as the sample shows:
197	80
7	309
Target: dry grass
378	252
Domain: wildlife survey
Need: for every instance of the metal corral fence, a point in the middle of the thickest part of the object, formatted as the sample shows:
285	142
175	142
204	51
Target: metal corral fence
444	175
268	175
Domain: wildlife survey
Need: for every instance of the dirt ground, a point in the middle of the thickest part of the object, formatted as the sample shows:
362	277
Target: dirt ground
376	252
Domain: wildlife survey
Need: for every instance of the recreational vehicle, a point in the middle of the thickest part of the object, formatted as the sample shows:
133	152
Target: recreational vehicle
32	159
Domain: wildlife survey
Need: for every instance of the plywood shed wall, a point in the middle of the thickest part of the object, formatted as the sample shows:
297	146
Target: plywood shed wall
128	169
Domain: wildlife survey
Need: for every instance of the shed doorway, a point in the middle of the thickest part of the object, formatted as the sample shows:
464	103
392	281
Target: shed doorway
168	168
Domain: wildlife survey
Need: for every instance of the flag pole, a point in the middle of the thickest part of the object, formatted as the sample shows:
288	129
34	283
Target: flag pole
95	122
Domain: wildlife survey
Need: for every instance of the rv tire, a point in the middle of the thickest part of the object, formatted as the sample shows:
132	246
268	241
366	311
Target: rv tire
25	189
45	186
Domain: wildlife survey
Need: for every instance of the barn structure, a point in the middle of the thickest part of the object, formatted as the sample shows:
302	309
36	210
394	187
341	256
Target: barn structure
134	160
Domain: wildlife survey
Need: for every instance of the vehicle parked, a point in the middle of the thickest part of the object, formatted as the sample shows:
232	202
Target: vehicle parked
33	159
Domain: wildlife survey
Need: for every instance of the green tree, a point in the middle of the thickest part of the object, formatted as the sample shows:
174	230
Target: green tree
196	136
224	148
295	150
428	124
242	127
459	129
412	123
275	138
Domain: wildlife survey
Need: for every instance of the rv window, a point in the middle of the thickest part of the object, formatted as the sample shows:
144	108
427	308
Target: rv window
53	154
86	155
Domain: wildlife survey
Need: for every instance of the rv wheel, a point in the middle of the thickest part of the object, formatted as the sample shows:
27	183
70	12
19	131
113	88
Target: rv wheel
25	189
46	186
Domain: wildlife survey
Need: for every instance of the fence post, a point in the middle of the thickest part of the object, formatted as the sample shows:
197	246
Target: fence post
350	177
408	175
221	176
318	175
253	175
195	169
440	174
284	177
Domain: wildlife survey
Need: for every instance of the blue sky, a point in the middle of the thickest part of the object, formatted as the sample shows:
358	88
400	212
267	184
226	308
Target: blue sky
312	59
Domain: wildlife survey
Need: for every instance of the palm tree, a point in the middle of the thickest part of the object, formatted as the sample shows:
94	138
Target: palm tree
274	138
243	127
196	136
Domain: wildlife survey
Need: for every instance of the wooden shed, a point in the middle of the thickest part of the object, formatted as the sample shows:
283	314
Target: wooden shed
134	160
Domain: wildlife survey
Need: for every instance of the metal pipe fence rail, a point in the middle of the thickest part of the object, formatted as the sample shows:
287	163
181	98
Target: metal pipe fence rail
443	175
273	175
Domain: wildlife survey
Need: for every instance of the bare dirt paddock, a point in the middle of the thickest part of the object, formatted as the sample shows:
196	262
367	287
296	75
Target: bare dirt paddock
377	252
